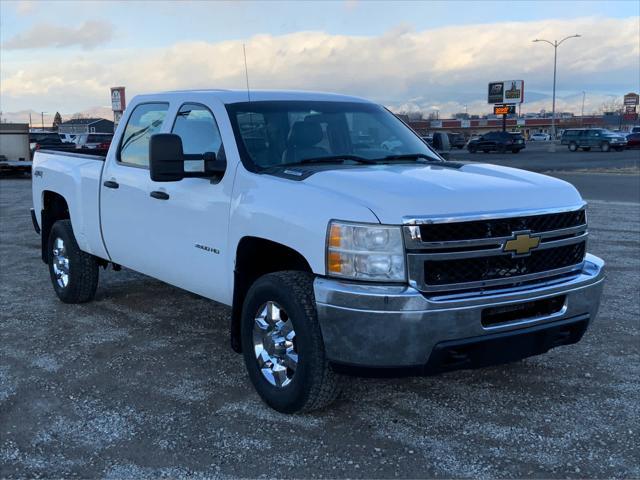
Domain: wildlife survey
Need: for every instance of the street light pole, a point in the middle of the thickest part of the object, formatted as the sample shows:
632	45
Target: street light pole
555	44
42	119
582	111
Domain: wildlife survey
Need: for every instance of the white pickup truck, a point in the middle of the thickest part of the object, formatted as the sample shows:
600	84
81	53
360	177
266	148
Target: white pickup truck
336	252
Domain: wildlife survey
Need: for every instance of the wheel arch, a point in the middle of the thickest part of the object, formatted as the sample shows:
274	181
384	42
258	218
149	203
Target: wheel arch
54	208
257	256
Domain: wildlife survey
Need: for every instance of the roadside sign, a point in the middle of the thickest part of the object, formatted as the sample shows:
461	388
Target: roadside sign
631	99
436	124
504	109
630	109
506	91
118	103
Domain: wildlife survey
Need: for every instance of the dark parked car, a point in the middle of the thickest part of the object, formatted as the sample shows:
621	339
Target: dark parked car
47	141
633	140
588	138
457	140
497	141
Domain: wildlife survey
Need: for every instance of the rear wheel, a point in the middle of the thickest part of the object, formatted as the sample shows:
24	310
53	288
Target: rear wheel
282	344
74	273
605	147
573	147
515	150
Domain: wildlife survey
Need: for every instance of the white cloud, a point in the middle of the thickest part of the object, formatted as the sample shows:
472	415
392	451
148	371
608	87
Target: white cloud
444	67
89	34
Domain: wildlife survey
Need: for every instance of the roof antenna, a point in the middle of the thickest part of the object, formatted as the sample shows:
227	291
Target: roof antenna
246	71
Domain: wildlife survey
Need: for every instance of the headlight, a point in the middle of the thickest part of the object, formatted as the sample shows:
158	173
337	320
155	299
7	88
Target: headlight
366	252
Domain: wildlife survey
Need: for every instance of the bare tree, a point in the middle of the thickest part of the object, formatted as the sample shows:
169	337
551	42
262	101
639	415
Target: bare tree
615	105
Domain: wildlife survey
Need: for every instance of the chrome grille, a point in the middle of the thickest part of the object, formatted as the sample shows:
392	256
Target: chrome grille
451	254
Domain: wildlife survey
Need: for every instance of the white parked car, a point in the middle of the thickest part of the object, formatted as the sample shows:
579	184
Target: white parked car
330	254
540	137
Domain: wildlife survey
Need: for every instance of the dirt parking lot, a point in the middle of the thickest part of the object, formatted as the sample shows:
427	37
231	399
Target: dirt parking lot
141	383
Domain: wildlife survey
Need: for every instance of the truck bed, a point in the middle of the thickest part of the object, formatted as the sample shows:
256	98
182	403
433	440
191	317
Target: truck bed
76	178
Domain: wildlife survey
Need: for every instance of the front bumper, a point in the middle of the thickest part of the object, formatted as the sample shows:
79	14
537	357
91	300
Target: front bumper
385	326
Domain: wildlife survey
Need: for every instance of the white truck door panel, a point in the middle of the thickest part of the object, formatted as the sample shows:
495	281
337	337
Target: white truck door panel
178	234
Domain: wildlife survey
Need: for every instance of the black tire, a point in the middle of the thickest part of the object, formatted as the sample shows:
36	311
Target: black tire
82	267
515	150
605	147
573	147
314	385
472	149
485	151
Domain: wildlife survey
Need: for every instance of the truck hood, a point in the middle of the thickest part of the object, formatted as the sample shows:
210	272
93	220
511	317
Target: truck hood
392	192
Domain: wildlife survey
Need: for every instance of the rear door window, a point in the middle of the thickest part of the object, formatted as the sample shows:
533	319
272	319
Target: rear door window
145	120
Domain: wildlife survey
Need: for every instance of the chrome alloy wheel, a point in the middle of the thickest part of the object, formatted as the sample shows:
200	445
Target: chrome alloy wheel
274	344
60	263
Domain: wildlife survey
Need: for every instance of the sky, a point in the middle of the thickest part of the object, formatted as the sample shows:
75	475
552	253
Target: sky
411	56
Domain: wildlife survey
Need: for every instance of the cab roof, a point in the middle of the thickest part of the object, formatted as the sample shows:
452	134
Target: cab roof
237	96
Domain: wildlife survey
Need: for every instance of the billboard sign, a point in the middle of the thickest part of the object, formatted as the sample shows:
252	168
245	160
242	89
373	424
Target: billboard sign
630	109
631	99
118	103
504	109
508	91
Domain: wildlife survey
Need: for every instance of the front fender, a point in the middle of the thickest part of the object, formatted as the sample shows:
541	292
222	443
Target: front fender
289	212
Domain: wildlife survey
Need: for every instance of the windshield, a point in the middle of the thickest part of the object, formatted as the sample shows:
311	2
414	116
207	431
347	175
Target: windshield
281	133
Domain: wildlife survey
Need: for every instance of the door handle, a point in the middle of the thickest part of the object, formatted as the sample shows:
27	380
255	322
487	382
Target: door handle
111	184
159	195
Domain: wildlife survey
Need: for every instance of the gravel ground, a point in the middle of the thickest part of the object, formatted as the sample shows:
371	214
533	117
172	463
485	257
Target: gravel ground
141	383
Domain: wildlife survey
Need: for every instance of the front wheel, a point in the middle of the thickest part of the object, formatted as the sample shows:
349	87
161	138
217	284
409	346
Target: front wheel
282	344
74	273
573	147
605	147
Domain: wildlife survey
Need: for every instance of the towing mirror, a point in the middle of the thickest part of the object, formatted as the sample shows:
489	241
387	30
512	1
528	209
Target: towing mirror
441	142
167	160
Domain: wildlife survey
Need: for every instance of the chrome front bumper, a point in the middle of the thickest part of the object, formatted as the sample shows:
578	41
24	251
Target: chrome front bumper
397	326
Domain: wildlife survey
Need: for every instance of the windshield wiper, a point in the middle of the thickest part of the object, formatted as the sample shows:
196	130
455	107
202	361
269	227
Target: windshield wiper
331	159
409	156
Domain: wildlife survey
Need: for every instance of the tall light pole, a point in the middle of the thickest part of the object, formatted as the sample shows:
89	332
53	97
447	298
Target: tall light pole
582	111
42	119
555	44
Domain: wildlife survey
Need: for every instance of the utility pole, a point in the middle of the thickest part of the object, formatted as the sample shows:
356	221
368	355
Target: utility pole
42	119
555	44
30	120
582	111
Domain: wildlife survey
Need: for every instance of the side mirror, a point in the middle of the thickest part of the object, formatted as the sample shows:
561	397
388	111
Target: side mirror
441	142
166	160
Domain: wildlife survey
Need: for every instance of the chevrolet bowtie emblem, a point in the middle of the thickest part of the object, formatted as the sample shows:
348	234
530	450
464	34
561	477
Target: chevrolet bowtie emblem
521	244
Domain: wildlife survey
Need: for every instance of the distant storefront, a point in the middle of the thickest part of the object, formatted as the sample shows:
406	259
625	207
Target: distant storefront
527	126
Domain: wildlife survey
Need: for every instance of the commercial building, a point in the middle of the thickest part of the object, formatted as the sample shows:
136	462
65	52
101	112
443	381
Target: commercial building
86	125
527	126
